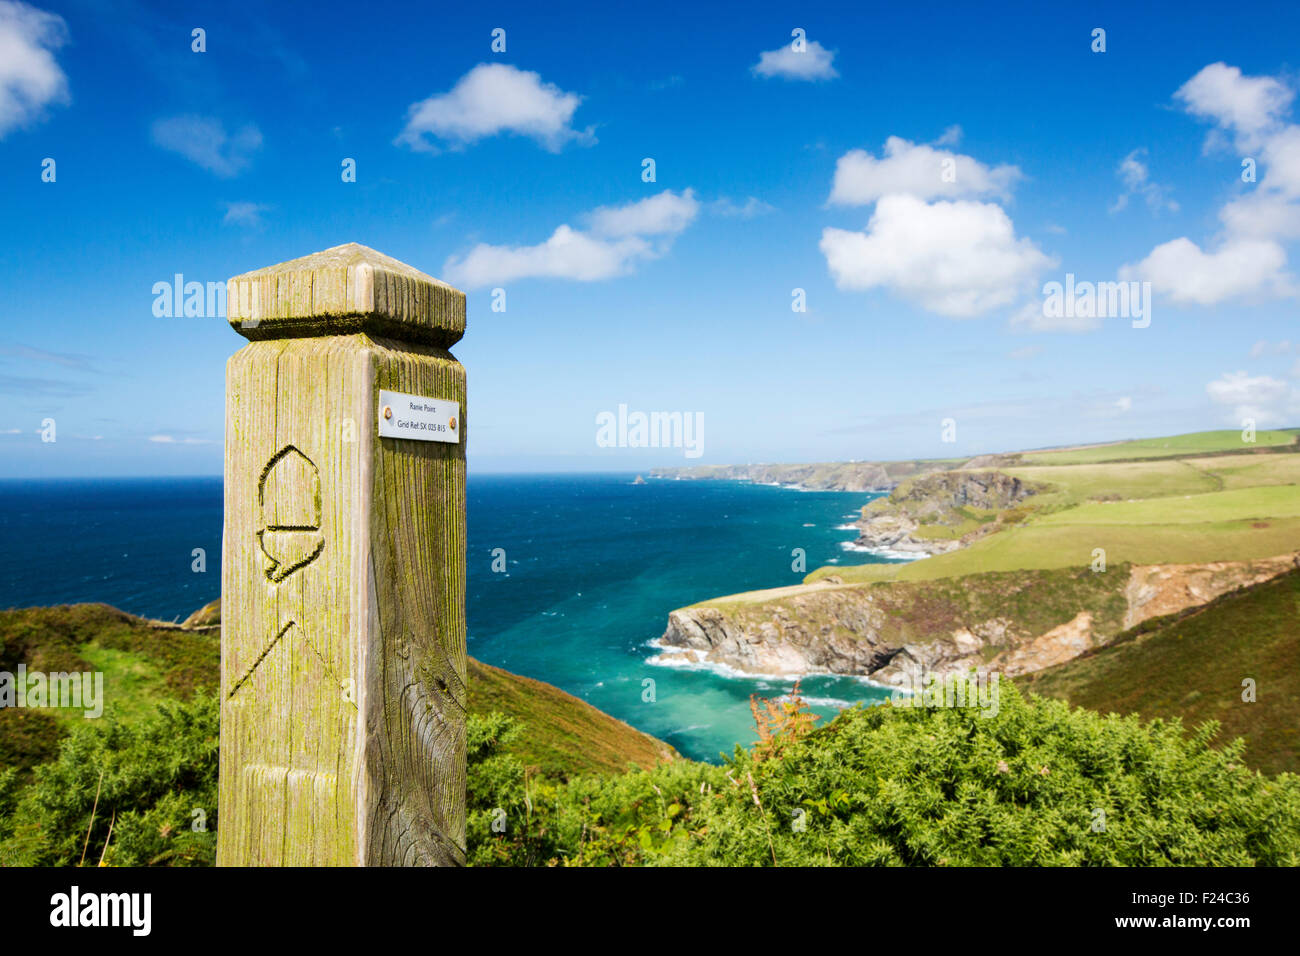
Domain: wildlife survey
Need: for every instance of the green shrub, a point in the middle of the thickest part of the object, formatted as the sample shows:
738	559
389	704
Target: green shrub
145	780
1039	784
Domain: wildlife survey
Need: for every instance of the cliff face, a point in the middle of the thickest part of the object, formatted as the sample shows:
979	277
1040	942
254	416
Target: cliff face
1006	622
944	502
863	476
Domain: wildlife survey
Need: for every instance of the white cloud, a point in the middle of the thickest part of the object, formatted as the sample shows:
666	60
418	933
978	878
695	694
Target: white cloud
749	209
1270	209
1263	347
203	141
1186	273
916	170
1135	175
1262	215
665	214
494	98
950	137
1246	260
244	214
30	77
618	238
173	440
958	259
1246	105
814	62
1266	400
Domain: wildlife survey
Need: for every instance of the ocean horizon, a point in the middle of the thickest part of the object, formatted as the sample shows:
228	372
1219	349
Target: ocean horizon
593	564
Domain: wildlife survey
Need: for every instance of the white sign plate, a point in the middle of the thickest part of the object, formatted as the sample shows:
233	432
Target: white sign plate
418	418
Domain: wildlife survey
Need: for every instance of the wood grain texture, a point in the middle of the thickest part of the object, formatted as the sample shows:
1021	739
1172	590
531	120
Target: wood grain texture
345	289
343	628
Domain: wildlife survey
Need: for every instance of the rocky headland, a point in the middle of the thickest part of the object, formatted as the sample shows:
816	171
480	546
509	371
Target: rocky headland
941	511
893	632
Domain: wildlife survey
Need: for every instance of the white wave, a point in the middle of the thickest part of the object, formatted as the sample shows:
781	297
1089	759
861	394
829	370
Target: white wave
884	552
835	702
682	658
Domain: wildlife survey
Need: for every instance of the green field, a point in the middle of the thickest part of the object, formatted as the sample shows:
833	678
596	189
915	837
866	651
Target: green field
1195	443
1225	507
1145	479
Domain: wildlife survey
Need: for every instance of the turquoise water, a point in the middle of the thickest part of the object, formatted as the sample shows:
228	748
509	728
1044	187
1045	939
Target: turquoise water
594	563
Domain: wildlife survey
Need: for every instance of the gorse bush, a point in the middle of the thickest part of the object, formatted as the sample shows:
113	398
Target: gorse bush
1039	784
144	780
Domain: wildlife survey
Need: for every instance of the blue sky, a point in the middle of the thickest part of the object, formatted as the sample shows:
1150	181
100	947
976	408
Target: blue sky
775	170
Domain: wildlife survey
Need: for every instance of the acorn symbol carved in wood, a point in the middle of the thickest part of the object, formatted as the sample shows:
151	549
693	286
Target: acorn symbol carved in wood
289	496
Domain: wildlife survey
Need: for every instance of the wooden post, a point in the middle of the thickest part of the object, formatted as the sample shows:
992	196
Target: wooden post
343	567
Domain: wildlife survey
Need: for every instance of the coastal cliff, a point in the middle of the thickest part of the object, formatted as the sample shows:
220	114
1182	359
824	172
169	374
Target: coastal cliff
863	476
941	511
892	632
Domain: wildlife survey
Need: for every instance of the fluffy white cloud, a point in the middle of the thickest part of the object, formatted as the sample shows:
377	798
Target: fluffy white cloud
665	214
958	259
1261	215
1245	105
813	62
916	170
30	77
1266	400
1270	209
203	140
494	98
618	238
1186	273
1135	175
1246	260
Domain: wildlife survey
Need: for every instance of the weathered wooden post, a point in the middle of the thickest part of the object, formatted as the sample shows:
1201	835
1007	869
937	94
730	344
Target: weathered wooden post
343	568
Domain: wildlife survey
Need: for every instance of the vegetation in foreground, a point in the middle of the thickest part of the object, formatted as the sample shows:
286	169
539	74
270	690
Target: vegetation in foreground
1039	784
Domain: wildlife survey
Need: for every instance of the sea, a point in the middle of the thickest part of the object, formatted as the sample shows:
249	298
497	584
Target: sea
570	577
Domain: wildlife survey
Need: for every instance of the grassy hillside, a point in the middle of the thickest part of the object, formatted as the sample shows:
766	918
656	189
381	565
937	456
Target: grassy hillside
1192	666
145	663
562	734
142	663
1194	443
1225	507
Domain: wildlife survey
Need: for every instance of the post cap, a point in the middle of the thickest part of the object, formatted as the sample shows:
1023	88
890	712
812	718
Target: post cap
341	291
